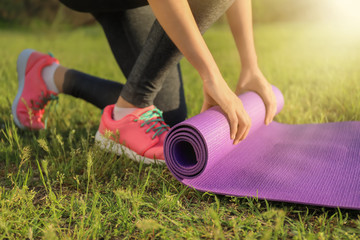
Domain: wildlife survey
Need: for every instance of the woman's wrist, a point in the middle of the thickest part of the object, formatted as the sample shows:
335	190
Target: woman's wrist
250	65
248	74
211	75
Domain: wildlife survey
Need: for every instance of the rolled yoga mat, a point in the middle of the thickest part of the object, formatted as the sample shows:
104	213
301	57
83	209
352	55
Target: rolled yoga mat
315	164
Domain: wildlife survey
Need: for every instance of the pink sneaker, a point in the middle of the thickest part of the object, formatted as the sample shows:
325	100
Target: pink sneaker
139	135
32	96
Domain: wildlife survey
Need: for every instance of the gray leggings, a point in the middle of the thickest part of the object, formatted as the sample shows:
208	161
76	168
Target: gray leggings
144	52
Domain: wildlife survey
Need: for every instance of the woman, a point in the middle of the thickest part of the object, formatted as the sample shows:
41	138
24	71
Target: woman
149	61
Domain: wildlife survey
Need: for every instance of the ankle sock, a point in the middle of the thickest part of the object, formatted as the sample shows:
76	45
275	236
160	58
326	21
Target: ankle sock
120	112
47	74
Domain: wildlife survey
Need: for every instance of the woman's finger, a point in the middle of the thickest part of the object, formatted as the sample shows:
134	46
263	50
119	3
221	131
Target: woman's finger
271	107
274	106
239	135
233	124
243	128
269	102
246	133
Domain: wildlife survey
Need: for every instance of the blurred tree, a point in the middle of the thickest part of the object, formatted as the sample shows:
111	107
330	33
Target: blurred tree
23	11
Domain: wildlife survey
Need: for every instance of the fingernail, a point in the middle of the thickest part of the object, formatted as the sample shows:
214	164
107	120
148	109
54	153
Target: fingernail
232	137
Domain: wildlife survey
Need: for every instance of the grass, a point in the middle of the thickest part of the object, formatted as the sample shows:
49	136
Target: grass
58	184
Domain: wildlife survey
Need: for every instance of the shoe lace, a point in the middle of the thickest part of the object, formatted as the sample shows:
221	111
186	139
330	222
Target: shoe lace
153	116
43	100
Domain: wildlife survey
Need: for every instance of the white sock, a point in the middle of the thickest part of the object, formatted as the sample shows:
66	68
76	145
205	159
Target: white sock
119	112
48	75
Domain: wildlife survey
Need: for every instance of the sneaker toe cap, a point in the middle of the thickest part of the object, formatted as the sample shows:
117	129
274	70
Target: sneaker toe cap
34	124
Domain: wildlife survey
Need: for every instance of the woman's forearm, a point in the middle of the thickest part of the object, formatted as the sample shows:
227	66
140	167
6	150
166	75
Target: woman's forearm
240	21
176	18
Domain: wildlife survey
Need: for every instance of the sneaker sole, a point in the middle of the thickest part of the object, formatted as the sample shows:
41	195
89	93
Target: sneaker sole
119	149
21	69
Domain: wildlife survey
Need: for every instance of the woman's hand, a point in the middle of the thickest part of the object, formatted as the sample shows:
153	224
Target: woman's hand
254	80
177	20
218	93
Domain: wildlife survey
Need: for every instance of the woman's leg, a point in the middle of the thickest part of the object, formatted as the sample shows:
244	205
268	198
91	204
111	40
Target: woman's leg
146	80
126	32
159	54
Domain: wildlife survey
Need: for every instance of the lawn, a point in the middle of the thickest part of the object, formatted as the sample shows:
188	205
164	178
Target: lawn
57	184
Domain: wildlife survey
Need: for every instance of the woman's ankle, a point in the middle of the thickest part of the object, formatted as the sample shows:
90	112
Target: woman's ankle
59	77
122	108
122	103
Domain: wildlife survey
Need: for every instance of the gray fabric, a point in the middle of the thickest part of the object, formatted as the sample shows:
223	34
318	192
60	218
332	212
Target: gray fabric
159	54
126	32
144	52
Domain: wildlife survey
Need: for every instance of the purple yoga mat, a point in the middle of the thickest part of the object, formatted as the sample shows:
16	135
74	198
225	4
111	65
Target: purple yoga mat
315	164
